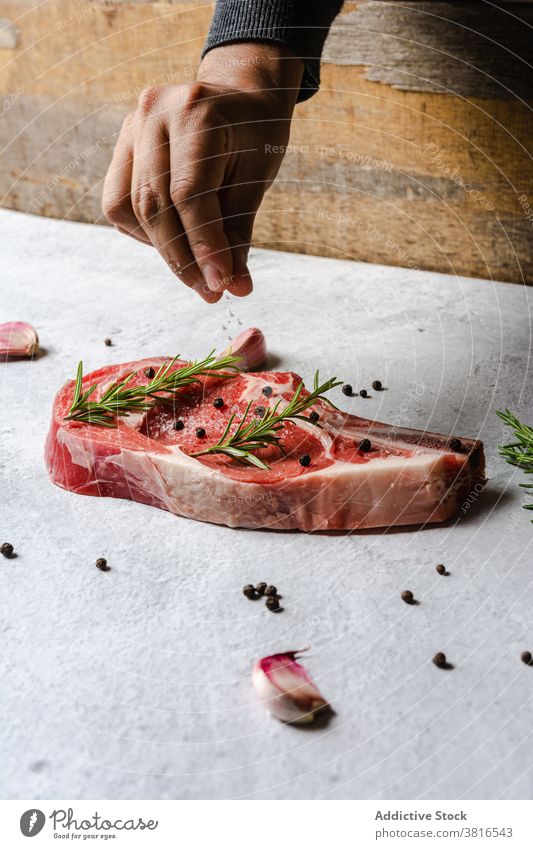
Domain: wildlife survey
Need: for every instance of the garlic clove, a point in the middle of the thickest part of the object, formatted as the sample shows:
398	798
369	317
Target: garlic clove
250	345
18	339
286	689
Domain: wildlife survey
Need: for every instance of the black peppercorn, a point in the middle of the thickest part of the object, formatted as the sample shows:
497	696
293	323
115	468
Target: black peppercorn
408	597
271	590
149	372
178	425
377	385
272	602
305	460
260	588
440	659
526	658
218	403
249	591
313	417
7	549
200	432
455	444
101	564
441	569
347	389
267	391
259	411
365	446
363	393
108	342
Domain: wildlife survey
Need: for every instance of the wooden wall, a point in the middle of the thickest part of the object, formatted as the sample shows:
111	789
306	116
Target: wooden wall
416	152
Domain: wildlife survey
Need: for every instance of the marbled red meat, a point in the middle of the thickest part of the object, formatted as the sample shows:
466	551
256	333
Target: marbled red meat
408	477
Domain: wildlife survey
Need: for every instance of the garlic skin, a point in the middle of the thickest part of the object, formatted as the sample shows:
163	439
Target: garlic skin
18	339
286	689
250	345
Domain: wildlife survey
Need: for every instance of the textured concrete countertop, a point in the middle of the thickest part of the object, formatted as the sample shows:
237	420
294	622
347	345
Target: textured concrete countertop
136	683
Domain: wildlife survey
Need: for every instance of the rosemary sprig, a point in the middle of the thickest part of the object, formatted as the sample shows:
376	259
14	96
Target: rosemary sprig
121	399
251	435
519	453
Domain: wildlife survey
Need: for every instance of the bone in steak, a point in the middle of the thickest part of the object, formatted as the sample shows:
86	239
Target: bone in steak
406	477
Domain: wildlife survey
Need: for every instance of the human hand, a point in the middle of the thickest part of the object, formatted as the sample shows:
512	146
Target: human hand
192	163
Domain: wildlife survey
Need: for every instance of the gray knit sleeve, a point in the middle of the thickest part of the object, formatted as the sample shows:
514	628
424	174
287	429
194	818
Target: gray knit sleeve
300	25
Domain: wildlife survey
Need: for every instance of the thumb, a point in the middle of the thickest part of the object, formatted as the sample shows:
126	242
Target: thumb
239	208
241	283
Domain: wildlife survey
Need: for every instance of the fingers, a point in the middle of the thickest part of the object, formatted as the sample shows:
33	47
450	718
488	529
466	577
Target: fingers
239	238
198	164
241	285
143	240
153	208
167	186
239	203
116	198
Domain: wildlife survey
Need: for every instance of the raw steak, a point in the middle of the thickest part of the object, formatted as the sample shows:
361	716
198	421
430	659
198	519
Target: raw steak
408	477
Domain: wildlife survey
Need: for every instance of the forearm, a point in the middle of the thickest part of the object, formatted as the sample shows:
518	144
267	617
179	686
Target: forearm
301	26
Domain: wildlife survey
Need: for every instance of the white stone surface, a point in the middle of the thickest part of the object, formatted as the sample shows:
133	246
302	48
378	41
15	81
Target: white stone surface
136	683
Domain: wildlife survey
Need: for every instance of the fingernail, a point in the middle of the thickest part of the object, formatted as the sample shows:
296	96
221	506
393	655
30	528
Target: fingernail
214	279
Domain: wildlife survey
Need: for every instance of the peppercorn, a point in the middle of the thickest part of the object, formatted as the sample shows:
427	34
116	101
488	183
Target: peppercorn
527	658
441	569
200	432
218	403
272	602
363	393
149	372
260	410
313	417
249	591
7	549
267	391
408	597
365	446
455	444
178	425
440	659
108	342
347	389
377	385
305	460
101	564
260	588
271	590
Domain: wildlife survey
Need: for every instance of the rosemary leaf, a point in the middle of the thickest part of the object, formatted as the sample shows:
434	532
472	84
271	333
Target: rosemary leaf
120	398
251	435
519	453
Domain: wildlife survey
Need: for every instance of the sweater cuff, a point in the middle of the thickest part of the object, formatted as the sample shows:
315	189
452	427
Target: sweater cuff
299	25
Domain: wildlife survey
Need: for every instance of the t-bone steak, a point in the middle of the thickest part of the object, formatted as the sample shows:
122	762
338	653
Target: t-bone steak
407	477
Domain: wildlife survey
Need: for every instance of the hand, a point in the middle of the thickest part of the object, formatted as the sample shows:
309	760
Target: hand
193	162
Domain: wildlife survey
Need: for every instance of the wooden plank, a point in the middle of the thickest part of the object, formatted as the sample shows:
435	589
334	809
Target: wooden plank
101	52
404	177
466	49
